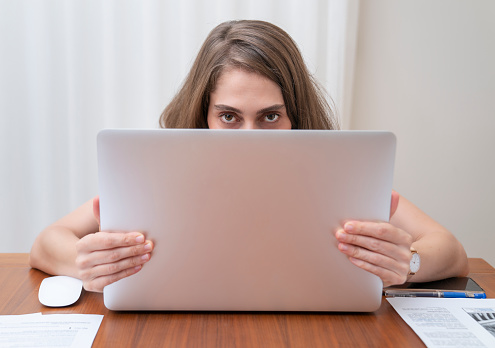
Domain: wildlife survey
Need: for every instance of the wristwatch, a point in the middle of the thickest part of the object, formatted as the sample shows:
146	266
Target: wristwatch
415	262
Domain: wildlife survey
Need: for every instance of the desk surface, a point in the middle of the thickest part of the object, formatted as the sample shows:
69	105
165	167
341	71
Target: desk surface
383	328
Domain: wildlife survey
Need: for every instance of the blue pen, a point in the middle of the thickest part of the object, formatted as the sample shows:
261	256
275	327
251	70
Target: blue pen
454	294
444	294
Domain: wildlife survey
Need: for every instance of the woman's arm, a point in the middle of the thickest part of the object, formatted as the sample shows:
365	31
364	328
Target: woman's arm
54	250
442	255
384	248
73	246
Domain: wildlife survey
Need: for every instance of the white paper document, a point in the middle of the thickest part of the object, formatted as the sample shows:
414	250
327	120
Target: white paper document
50	330
449	322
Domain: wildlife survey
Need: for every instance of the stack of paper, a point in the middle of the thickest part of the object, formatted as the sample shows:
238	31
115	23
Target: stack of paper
449	322
51	330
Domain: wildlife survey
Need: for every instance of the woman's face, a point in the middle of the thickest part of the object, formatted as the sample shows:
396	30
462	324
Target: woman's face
246	100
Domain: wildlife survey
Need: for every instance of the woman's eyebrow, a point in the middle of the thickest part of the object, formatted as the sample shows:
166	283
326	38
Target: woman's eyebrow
274	107
223	107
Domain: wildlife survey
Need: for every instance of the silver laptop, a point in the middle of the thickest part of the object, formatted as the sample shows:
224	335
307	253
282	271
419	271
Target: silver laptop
244	220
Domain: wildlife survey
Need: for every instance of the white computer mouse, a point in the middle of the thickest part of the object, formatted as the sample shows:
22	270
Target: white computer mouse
59	291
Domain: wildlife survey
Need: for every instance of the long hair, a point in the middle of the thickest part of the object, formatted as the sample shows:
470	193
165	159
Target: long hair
258	47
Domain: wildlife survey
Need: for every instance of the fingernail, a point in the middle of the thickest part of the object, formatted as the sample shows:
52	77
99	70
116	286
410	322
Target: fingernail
145	257
348	226
343	247
140	238
340	235
147	246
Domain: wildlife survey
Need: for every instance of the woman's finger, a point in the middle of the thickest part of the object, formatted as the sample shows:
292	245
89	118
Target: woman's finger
387	276
106	269
101	257
99	283
399	253
400	266
379	230
109	240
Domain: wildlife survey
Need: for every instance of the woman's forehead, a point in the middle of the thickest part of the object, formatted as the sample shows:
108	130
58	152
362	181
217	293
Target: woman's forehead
237	83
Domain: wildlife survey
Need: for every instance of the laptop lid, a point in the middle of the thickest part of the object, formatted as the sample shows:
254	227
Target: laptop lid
244	220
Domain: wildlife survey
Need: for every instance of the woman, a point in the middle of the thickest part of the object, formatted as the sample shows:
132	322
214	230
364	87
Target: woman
251	75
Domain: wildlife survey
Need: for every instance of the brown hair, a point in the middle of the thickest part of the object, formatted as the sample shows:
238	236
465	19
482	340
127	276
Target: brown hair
259	47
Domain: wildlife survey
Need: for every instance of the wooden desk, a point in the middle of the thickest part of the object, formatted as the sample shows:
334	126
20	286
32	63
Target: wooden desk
383	328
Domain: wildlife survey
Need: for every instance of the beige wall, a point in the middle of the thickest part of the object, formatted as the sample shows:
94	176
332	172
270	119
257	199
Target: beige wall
426	71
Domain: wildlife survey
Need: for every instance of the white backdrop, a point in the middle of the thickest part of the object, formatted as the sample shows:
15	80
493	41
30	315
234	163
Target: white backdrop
425	70
71	68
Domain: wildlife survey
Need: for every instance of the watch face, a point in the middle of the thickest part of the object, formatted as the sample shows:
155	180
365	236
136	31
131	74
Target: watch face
415	262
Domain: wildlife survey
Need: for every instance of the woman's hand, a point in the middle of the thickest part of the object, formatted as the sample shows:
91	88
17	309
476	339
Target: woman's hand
105	257
378	247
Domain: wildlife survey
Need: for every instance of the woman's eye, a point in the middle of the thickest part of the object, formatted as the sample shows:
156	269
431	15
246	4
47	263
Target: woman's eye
271	117
227	118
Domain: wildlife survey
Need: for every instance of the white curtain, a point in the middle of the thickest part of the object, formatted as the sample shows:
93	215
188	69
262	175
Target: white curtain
69	68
